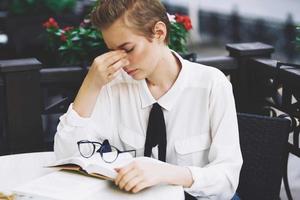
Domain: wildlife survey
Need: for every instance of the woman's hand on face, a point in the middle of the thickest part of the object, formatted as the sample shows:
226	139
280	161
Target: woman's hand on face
107	66
141	173
103	70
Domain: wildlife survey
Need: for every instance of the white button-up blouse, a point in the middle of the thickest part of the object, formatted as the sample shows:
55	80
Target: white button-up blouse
201	125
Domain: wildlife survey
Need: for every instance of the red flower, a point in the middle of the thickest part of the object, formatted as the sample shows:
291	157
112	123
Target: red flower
68	28
63	37
51	23
185	20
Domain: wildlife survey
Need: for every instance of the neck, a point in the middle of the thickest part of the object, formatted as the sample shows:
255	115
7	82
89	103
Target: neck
165	73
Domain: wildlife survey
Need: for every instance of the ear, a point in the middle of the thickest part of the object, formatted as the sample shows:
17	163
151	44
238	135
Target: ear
160	31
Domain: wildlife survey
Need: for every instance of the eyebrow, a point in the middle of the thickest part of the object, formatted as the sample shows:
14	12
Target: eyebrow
121	46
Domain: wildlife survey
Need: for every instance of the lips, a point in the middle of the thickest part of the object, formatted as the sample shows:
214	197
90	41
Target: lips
130	71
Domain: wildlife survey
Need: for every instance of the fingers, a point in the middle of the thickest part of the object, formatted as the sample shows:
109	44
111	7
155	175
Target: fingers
136	176
133	183
140	186
106	67
114	58
110	58
127	178
122	172
117	66
111	77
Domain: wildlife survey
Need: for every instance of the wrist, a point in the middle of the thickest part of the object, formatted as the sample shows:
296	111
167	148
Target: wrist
177	175
86	98
93	82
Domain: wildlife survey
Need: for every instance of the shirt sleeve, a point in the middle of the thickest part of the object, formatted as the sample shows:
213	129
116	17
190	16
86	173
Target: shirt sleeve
73	128
219	179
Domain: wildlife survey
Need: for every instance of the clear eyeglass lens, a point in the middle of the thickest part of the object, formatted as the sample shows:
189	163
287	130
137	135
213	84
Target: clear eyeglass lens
110	156
86	149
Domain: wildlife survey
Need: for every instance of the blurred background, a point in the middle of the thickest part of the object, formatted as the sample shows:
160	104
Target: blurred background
215	23
229	21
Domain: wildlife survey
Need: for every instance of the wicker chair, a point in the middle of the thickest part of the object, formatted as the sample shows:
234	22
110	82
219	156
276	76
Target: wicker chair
264	148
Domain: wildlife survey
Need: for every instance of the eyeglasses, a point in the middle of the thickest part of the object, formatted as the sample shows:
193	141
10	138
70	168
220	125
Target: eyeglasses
108	152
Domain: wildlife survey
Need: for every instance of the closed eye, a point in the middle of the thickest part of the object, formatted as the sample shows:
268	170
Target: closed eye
129	50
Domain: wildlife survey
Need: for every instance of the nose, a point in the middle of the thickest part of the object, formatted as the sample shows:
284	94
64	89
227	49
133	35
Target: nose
126	66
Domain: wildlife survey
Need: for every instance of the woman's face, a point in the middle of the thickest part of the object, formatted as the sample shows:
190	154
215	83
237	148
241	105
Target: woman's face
143	55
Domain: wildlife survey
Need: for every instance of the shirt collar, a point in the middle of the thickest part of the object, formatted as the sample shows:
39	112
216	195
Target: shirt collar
168	100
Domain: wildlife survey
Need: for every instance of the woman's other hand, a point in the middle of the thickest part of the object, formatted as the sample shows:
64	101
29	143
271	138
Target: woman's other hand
145	172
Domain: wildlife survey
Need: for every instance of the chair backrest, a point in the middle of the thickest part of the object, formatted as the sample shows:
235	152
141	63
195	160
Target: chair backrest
264	147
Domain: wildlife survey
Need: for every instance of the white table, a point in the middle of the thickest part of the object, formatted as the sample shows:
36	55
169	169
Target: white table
18	169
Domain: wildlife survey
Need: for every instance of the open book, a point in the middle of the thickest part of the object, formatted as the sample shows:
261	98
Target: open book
65	185
94	165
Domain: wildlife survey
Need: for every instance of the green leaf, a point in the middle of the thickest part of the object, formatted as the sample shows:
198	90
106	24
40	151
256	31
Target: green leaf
75	38
63	48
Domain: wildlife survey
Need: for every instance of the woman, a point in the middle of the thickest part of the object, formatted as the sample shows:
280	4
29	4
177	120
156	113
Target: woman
198	137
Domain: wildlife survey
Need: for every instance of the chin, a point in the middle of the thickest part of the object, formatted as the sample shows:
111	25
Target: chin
138	76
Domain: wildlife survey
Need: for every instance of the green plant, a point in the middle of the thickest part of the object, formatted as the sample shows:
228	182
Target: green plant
32	7
179	30
79	45
74	45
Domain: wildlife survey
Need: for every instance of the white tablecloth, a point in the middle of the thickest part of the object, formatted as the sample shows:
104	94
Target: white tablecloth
18	169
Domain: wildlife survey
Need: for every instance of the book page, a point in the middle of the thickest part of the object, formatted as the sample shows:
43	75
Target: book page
61	185
107	169
79	160
95	164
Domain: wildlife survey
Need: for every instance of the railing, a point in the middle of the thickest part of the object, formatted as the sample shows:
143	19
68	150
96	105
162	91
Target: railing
20	106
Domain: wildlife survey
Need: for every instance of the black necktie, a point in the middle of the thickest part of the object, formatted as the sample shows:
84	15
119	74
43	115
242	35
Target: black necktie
156	133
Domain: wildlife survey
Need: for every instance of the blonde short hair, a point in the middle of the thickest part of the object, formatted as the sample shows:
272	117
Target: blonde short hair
142	15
